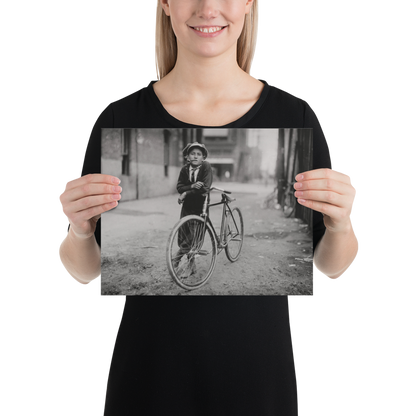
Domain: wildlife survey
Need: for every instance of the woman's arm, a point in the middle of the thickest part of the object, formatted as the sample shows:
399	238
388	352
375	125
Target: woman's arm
83	202
336	251
332	194
81	257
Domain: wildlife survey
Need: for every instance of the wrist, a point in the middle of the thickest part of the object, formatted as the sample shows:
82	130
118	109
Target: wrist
343	228
78	237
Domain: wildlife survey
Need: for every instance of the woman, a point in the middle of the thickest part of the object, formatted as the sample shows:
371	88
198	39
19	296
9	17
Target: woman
206	355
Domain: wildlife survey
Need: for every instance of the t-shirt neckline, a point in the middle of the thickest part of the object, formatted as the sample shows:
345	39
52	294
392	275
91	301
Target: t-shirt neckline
237	123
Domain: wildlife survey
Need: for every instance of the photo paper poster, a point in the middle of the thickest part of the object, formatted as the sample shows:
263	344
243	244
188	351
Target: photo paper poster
206	212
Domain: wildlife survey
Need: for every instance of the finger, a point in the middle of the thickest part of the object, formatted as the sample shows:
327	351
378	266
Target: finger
324	185
328	197
80	217
84	204
89	189
323	174
93	178
334	212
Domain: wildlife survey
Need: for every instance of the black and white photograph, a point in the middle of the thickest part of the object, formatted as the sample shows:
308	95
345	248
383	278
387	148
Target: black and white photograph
206	212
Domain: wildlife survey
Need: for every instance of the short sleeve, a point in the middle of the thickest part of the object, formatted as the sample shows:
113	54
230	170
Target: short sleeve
92	159
321	159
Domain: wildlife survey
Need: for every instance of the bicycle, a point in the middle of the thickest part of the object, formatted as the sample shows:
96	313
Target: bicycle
271	200
193	244
288	198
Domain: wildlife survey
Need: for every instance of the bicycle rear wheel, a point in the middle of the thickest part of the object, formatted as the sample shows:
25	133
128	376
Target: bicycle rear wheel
191	252
234	234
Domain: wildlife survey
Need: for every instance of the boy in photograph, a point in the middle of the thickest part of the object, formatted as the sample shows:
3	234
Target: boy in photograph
194	182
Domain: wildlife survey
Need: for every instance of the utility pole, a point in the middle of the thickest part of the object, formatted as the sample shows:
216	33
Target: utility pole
280	166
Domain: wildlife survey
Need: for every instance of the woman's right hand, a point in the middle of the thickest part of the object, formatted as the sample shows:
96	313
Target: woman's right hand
86	198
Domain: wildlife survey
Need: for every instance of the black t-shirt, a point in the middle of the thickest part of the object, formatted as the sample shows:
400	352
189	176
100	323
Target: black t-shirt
215	355
276	108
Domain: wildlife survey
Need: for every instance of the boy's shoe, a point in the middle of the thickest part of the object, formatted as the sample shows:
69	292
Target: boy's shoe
193	267
177	259
190	270
175	262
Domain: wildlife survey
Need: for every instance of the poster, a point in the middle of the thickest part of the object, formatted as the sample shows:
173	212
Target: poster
252	237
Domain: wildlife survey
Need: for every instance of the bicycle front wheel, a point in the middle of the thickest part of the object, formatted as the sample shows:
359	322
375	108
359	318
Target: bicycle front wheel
234	234
191	252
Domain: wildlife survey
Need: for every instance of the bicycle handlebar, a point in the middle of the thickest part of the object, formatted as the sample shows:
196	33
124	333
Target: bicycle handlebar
214	188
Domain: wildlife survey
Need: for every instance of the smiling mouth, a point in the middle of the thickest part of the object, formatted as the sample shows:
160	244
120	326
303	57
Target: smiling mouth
212	29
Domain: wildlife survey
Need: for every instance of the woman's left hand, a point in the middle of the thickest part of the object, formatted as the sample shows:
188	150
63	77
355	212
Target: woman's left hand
328	192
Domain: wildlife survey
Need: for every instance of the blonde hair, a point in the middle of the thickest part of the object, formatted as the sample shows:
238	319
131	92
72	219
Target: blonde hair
167	50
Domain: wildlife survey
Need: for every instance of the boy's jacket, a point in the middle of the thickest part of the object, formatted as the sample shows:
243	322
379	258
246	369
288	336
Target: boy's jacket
194	197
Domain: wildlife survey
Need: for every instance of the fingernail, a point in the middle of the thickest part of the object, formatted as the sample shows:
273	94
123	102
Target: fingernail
301	201
298	185
117	189
299	177
298	193
116	180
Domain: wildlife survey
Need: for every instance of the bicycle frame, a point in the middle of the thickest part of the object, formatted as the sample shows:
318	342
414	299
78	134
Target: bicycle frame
191	267
226	211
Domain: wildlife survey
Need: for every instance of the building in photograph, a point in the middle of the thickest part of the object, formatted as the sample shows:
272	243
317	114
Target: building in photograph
147	161
231	155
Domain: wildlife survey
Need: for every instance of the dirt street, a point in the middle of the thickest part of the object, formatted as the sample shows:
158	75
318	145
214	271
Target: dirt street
276	258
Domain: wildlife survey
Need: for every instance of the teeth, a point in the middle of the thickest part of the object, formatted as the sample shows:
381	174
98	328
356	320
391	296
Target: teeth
208	30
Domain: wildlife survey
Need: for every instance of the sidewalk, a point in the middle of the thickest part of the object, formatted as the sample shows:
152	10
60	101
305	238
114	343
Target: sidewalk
142	215
161	213
246	188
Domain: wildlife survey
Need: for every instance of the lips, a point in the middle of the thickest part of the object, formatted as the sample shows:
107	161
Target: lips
207	27
208	31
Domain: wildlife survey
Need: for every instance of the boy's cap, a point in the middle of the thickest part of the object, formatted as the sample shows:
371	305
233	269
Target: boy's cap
190	146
